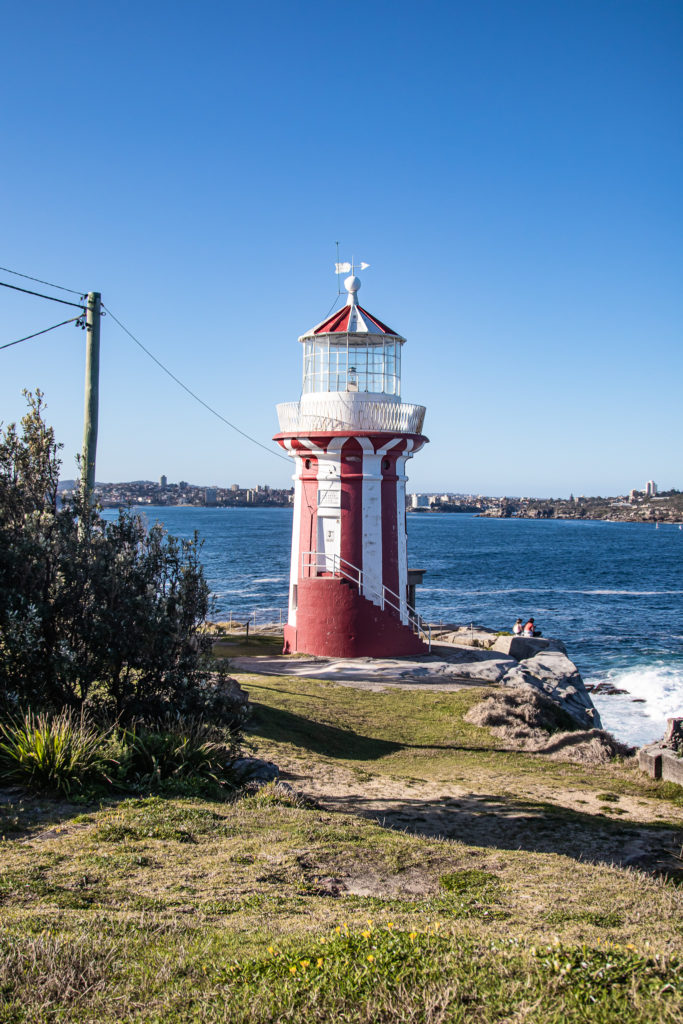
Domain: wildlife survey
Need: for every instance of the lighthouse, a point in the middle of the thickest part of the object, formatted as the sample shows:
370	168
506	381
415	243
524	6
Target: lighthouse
350	437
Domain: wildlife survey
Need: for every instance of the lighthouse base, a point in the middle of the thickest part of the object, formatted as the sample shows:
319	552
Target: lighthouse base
334	620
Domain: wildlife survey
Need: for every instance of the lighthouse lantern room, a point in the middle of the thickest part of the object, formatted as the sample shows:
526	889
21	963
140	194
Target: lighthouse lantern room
350	437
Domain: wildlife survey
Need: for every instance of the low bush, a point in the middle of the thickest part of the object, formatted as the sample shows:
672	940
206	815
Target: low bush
67	755
61	754
174	752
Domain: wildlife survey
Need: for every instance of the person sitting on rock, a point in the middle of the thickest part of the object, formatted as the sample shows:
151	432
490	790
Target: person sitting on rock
517	628
530	629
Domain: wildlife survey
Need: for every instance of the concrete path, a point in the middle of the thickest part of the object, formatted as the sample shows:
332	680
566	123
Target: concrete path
447	668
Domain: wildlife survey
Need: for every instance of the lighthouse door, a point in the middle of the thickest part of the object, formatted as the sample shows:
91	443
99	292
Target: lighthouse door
328	543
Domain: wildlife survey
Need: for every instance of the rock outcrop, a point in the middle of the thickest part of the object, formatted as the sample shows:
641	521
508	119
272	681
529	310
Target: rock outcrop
543	664
253	771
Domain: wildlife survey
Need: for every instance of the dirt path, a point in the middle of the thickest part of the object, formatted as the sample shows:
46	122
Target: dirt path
570	822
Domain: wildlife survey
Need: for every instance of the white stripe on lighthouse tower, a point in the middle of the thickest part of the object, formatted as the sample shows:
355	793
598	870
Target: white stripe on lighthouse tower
372	520
329	507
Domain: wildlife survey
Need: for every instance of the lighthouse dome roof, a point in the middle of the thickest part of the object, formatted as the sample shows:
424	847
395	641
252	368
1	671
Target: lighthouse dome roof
352	318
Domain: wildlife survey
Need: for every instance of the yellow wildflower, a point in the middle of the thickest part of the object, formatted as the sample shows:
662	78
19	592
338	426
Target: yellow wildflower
412	936
370	957
390	925
292	969
271	949
338	930
319	962
305	963
366	934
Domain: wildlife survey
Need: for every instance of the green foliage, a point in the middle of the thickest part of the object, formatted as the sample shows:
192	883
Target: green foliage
62	754
599	919
94	614
153	818
386	974
591	974
66	754
472	883
176	752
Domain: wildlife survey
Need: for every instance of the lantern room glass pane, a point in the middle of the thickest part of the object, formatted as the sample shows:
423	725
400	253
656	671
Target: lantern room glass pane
337	364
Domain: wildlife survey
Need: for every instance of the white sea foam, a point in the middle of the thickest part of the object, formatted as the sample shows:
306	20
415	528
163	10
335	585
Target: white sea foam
551	590
659	685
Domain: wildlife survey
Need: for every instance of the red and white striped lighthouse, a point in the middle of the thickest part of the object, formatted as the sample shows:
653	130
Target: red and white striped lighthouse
350	436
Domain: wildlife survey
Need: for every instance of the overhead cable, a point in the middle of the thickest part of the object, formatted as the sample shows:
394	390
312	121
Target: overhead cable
40	295
189	391
74	319
40	281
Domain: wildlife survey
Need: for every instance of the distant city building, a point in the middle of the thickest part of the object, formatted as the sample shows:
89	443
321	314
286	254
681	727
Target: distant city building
210	496
235	487
419	501
163	481
633	495
650	489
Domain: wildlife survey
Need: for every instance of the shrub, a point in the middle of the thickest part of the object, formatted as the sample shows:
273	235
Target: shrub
93	614
176	751
66	754
63	755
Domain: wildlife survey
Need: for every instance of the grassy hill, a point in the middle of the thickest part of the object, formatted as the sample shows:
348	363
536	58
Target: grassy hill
427	873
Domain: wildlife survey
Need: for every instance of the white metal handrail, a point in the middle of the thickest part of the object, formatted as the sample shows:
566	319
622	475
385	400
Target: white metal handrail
328	413
338	566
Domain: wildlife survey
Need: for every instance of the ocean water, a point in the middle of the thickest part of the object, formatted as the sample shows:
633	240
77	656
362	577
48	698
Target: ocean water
612	591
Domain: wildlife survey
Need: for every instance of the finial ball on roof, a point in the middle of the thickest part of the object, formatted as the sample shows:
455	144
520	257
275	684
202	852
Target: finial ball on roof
352	283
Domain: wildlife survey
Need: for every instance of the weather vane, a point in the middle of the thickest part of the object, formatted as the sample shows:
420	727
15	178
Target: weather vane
349	268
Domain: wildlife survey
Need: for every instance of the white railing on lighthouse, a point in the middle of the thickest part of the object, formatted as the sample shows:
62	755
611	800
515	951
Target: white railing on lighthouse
316	563
328	413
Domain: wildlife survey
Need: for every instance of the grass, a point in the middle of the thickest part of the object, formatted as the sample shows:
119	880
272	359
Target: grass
412	734
140	910
239	646
273	908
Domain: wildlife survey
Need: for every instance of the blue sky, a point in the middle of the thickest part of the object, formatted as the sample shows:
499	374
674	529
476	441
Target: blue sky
511	171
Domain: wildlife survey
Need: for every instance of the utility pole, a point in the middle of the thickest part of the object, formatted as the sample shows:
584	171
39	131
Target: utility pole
92	394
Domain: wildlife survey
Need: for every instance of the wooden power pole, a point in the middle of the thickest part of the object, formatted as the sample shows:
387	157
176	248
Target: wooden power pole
92	393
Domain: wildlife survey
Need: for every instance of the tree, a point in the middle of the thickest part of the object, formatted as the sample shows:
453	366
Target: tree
106	617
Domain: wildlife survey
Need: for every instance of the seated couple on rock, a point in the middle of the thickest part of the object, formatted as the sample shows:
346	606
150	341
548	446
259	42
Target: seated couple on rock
528	629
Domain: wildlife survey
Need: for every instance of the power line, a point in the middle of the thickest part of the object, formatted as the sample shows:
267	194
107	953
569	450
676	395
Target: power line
40	295
189	391
74	319
40	281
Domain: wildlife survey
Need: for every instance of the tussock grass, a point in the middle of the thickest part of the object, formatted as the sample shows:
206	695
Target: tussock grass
59	754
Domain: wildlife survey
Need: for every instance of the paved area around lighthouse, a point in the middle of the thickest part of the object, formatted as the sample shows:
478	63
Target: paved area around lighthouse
448	667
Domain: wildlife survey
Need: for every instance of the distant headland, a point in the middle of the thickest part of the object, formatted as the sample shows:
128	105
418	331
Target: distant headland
635	507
